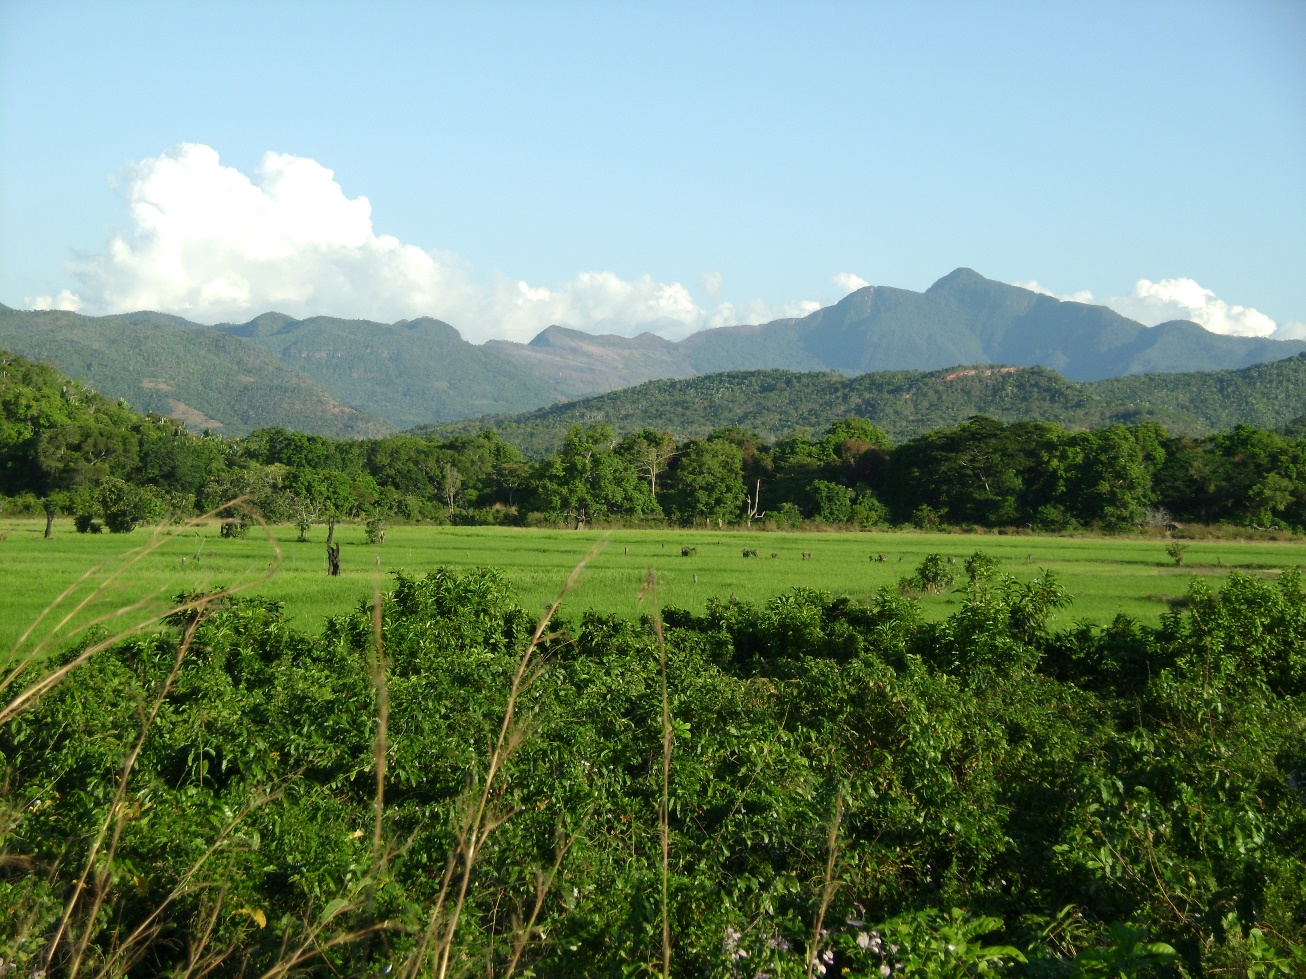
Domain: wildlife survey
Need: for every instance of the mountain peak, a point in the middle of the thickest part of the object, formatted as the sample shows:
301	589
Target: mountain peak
551	336
958	277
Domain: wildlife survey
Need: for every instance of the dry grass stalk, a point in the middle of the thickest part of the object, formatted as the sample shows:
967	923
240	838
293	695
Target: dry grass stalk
380	747
668	737
44	683
97	870
831	885
115	816
478	820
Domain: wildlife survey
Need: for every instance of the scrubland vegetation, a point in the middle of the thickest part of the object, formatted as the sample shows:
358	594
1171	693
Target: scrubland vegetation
438	783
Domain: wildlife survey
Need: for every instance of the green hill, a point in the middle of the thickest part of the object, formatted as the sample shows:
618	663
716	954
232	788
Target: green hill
963	318
408	373
908	403
167	365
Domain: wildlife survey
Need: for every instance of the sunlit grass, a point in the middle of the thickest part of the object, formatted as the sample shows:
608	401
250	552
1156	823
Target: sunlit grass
1105	575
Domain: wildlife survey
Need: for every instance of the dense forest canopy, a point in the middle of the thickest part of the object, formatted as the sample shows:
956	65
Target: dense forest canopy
909	403
64	449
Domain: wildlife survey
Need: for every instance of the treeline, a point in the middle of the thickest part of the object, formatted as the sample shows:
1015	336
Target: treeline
66	450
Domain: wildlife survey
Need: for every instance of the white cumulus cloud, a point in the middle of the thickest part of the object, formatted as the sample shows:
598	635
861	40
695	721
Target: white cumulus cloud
1151	303
210	243
847	282
1183	299
1082	296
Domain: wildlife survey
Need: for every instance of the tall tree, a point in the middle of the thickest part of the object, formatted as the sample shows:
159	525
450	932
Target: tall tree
650	452
709	481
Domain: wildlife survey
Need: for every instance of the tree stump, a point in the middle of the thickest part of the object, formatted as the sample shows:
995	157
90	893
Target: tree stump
333	560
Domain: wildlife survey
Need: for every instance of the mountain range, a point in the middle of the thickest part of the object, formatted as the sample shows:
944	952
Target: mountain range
963	318
356	377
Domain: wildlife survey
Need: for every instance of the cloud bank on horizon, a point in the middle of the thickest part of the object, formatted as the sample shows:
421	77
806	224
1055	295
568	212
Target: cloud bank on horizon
210	243
1151	303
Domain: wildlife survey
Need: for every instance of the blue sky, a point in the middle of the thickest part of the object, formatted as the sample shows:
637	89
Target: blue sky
619	164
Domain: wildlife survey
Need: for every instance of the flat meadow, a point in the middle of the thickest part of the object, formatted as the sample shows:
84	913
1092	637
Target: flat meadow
104	574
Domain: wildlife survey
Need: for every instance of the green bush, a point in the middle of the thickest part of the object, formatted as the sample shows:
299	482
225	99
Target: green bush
934	574
868	511
984	787
124	506
85	523
830	502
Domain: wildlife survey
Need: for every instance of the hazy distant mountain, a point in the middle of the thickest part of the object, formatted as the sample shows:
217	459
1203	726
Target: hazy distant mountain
305	374
408	373
963	318
907	403
167	365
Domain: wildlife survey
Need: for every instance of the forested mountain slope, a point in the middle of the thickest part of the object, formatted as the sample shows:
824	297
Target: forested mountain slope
963	318
907	403
167	365
409	372
305	374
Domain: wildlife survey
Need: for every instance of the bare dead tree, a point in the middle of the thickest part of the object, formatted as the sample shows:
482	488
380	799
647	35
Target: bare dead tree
754	504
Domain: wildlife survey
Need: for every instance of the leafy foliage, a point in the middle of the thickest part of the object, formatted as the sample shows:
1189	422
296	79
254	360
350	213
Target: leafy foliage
975	795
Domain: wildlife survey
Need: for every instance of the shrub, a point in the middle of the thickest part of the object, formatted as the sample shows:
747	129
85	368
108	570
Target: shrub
981	567
234	529
934	574
85	523
787	515
125	506
831	503
925	517
868	511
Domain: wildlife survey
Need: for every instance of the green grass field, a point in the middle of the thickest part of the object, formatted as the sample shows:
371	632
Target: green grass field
1105	575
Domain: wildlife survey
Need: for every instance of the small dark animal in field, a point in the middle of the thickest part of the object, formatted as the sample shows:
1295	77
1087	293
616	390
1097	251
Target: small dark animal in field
625	550
750	552
688	551
807	555
774	554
